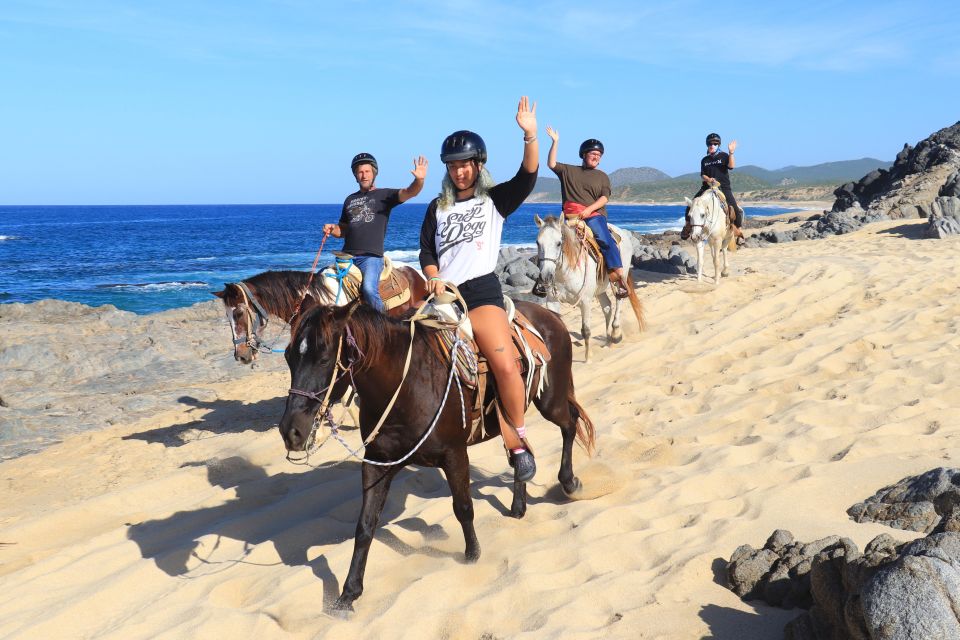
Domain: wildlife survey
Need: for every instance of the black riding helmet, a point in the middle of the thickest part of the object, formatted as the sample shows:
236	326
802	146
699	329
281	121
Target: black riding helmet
590	145
463	145
713	138
363	158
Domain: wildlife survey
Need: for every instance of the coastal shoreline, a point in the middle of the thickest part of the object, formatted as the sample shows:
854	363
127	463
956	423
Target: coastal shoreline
777	400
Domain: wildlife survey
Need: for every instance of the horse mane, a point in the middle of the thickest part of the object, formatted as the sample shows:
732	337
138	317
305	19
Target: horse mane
280	291
372	330
571	247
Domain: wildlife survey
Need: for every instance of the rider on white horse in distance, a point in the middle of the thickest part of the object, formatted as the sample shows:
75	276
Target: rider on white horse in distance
715	170
585	191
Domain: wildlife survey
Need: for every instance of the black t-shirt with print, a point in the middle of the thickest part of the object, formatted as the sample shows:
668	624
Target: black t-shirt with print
717	167
363	220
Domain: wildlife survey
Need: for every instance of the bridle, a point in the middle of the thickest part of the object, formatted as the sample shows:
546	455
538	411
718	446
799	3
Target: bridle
713	191
251	309
558	261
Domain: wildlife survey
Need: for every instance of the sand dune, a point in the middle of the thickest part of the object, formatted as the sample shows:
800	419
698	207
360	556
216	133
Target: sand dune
816	374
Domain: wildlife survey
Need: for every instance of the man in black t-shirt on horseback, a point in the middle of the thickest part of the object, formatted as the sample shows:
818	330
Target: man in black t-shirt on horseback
715	170
363	221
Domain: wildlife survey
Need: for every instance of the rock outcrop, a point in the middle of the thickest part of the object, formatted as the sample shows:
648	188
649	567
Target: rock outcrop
893	590
923	182
916	503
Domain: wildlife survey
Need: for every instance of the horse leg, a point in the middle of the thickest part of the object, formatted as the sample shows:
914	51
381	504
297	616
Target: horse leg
585	327
611	310
726	271
554	405
715	250
376	484
456	466
699	244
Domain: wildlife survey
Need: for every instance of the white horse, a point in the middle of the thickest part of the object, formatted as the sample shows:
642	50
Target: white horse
711	225
571	275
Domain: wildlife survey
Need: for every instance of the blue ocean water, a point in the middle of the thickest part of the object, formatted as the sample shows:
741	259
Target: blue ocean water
151	258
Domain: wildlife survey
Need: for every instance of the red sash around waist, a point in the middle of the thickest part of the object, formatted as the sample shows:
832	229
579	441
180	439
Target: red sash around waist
574	209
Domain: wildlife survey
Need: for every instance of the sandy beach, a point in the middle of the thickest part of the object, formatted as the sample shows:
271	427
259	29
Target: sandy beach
819	372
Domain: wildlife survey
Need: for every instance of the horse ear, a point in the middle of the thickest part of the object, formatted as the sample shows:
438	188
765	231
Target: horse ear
688	201
308	303
219	294
538	220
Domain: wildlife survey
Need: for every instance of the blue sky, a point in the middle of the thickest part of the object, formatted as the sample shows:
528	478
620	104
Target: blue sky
109	102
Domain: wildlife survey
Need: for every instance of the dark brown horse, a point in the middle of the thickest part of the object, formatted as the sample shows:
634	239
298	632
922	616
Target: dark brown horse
249	303
373	348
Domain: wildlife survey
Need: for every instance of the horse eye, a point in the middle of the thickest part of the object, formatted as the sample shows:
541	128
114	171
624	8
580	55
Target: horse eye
303	346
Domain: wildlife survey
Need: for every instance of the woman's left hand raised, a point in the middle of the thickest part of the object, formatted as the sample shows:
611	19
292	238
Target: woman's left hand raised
527	117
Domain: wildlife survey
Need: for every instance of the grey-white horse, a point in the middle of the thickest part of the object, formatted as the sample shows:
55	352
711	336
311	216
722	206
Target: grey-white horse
711	225
571	275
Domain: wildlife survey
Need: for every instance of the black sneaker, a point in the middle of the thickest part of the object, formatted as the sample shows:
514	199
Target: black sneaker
524	466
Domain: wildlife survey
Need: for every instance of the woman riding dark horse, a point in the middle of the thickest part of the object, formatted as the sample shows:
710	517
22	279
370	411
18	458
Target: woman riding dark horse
460	243
414	416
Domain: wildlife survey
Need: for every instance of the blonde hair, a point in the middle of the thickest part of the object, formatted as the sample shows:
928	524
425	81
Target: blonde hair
448	191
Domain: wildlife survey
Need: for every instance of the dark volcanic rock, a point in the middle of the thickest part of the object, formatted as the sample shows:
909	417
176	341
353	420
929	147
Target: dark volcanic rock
917	176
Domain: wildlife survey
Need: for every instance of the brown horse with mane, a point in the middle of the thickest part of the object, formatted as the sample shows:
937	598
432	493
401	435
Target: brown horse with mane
423	424
250	303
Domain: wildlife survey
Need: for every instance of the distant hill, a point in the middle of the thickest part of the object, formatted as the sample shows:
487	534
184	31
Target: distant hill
645	184
632	175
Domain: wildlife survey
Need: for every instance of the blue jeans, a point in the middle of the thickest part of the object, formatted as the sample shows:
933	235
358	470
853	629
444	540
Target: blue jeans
371	267
609	248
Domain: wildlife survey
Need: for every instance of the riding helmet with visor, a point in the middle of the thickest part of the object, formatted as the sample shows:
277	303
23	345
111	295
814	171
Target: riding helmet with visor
713	138
590	145
463	145
363	158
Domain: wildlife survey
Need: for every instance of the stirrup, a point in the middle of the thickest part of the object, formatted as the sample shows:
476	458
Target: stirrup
620	290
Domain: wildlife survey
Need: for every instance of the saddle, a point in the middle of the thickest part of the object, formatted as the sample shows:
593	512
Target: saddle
394	289
731	212
585	234
471	366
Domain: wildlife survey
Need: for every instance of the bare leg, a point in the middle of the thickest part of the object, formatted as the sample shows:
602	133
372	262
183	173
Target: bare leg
496	344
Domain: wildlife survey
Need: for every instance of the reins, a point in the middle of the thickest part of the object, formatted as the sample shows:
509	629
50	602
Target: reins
323	410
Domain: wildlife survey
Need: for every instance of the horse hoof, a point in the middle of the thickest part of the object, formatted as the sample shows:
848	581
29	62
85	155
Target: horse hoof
573	488
616	339
725	273
342	609
518	512
471	557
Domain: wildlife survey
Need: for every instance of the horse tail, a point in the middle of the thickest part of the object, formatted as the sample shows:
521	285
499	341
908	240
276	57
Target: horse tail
586	433
636	304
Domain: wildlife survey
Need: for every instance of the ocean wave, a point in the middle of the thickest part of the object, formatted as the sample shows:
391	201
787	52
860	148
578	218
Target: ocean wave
9	237
150	287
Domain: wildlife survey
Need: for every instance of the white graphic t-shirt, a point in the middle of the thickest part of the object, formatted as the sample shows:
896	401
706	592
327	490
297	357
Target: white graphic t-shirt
463	241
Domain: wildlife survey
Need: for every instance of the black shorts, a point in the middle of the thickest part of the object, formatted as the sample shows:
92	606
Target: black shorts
482	290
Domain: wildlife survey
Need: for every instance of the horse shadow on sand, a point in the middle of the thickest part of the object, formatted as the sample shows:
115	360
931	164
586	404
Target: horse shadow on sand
911	231
296	512
727	623
216	417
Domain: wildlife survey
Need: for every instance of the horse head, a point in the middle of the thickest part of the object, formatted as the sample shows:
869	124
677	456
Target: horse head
319	356
706	211
553	244
247	320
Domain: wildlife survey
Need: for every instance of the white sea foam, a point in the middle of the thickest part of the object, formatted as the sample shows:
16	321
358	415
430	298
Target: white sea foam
153	287
9	237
